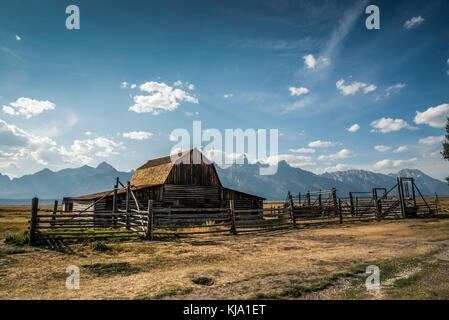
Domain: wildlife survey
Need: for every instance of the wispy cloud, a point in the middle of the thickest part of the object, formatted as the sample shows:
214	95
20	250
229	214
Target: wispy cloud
394	88
354	128
354	87
321	144
431	140
400	149
302	150
413	22
382	148
137	135
342	154
394	164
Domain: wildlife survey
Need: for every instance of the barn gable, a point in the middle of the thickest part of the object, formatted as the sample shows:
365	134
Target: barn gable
190	168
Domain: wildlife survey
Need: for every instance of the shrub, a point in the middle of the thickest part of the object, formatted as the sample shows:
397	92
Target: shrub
100	246
204	281
19	239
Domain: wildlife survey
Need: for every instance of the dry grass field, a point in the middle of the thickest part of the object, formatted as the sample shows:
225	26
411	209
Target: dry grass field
320	262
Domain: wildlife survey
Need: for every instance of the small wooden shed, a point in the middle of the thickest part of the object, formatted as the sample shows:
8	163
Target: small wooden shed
189	181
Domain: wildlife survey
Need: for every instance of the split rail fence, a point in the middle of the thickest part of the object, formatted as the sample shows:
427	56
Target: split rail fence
152	222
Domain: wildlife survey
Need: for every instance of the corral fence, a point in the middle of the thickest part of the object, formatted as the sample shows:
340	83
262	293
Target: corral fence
152	222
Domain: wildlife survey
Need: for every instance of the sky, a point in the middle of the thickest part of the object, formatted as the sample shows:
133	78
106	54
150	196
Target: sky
342	96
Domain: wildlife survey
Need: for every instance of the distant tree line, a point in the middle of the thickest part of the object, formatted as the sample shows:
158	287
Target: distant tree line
445	152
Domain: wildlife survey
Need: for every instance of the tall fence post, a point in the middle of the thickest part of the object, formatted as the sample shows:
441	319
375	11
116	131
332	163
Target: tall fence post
351	204
150	221
292	212
53	218
413	193
232	216
378	205
319	199
340	213
127	204
401	196
436	203
33	221
114	202
308	198
299	199
334	200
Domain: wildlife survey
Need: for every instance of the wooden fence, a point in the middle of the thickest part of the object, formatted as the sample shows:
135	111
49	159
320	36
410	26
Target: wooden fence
156	222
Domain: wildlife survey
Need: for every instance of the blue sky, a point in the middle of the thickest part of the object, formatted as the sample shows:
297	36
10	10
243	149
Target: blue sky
135	70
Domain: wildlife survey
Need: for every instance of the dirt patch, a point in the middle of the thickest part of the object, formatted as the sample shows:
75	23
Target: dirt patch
306	263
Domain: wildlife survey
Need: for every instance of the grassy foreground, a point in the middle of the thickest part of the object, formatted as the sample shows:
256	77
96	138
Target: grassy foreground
326	262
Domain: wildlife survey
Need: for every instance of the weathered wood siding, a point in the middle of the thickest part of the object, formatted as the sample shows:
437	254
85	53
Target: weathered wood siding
192	196
241	200
193	174
81	205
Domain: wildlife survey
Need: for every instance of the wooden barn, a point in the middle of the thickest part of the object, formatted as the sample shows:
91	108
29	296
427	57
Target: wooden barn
190	181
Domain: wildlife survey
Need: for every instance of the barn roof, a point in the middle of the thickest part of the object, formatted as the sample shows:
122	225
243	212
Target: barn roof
98	195
156	171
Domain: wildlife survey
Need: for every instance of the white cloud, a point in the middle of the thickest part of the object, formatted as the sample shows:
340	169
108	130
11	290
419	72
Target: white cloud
394	88
137	135
434	116
321	144
228	95
431	140
382	148
81	150
298	91
413	22
354	128
369	88
28	107
17	144
386	125
124	84
188	85
191	114
88	133
354	87
389	164
302	150
18	38
133	86
342	154
162	98
400	149
309	61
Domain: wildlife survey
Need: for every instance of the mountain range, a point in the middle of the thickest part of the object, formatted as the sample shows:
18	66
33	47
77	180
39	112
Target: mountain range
47	184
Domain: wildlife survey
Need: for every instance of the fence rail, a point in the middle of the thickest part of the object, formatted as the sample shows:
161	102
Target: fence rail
312	208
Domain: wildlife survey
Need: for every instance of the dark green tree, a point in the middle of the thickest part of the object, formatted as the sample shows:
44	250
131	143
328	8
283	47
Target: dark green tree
445	152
